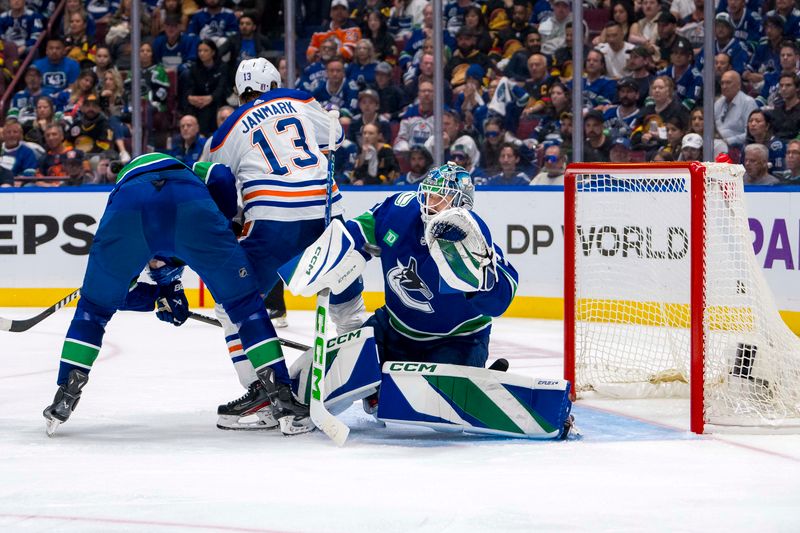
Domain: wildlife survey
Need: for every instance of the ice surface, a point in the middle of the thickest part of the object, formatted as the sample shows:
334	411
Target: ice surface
142	453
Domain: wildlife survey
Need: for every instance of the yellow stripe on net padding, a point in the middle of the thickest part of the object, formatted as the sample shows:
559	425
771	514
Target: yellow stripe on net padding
631	312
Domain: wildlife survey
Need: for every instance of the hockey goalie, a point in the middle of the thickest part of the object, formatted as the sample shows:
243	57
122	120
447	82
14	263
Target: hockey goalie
420	359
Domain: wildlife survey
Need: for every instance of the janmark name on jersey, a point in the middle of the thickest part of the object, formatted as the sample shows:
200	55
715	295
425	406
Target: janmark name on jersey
261	112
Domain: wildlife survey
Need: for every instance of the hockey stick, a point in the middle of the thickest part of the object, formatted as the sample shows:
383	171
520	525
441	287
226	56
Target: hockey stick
214	322
322	418
17	326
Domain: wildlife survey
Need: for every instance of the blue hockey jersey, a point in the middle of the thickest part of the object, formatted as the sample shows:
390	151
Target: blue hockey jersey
417	306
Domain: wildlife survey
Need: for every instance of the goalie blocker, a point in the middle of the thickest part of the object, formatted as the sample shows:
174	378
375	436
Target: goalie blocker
440	396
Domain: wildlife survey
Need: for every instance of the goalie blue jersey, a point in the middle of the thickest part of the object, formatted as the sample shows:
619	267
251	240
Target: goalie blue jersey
417	307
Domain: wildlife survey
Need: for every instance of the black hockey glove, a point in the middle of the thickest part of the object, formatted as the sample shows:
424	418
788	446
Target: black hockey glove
173	307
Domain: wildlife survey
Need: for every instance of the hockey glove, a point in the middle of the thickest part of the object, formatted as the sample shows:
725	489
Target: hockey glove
173	307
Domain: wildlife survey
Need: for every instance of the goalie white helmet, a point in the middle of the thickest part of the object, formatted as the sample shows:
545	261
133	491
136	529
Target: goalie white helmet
449	185
256	74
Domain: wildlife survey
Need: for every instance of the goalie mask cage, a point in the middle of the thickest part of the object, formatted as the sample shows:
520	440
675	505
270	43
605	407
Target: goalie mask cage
663	296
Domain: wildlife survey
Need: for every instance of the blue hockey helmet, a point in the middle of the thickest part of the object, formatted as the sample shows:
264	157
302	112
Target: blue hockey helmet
449	185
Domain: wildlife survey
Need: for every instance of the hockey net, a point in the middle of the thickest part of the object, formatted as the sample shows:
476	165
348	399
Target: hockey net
662	286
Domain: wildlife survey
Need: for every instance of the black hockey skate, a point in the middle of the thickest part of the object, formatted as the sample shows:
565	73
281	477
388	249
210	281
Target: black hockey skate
278	318
256	402
293	416
65	401
570	430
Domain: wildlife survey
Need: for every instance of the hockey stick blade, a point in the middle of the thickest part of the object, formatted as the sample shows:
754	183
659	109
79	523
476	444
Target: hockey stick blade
17	326
214	322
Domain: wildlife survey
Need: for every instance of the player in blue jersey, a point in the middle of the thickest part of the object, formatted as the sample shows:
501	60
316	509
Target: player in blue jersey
274	145
160	209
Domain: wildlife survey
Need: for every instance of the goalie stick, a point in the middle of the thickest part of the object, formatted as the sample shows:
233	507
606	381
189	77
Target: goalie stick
322	418
18	326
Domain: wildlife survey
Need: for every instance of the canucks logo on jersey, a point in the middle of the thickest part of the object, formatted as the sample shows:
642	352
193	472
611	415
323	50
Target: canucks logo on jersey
404	281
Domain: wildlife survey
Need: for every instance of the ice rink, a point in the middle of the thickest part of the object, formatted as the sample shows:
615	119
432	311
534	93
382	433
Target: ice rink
142	453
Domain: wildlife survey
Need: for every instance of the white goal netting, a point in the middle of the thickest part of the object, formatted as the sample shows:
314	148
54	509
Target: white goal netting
633	305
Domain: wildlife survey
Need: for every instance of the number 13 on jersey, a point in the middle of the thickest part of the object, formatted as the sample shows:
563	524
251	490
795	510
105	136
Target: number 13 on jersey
296	153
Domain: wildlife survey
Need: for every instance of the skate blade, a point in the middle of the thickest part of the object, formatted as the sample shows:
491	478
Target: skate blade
290	429
280	322
51	425
234	423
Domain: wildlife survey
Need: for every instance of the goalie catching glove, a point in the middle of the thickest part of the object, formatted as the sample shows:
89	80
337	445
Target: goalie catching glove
332	262
465	258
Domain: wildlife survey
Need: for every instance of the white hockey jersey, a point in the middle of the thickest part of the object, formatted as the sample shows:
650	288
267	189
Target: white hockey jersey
274	147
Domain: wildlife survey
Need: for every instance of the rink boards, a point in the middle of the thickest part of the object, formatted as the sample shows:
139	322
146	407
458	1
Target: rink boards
45	237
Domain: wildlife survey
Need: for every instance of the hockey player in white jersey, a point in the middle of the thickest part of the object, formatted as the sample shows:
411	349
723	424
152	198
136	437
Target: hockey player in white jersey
274	145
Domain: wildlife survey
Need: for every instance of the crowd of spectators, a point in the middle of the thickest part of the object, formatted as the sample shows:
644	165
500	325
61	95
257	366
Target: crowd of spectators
508	83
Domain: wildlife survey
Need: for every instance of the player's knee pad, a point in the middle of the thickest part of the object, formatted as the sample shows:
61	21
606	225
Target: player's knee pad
247	307
473	400
353	372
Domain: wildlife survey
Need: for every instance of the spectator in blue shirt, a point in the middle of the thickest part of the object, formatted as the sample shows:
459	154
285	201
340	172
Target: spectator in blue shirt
58	71
173	48
23	103
336	92
216	23
188	147
21	26
509	174
15	156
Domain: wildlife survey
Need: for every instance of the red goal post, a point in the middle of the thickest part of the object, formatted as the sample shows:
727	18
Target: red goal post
661	287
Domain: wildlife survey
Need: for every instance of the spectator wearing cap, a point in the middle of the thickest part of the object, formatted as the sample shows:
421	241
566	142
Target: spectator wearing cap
688	80
416	123
52	162
766	57
336	92
759	131
640	65
58	71
368	105
555	163
345	32
392	97
376	163
419	161
174	48
620	151
21	26
667	35
769	95
23	103
553	29
786	114
620	120
615	51
466	54
598	89
361	71
75	169
691	147
16	156
644	32
509	168
747	23
415	42
91	132
726	43
188	145
248	43
732	109
452	135
314	74
792	176
791	16
597	144
216	23
756	166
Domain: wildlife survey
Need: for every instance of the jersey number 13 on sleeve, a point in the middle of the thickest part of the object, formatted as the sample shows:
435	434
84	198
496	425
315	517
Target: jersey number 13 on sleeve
284	126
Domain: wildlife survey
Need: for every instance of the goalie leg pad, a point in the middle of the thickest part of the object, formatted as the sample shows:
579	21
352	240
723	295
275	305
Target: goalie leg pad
473	400
353	371
331	262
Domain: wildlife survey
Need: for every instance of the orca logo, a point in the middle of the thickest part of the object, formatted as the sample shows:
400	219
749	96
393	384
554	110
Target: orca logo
404	280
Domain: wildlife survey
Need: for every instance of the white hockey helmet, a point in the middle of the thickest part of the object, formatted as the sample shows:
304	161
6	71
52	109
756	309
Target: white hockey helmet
257	74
